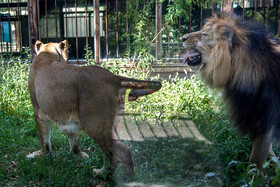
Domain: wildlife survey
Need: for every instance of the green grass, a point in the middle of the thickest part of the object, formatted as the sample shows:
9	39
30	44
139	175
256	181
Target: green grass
167	161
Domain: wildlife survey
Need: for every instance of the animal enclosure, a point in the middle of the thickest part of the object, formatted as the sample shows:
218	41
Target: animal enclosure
119	28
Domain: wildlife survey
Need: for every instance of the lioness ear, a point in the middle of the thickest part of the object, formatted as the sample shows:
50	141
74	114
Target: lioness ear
63	45
38	46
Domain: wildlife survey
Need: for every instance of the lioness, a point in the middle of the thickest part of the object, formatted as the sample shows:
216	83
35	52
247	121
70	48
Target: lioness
78	98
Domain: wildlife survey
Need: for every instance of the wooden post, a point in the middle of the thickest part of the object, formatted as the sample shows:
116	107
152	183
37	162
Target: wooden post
20	29
77	40
243	12
212	7
227	7
56	28
1	36
117	30
96	32
279	21
255	12
267	13
127	37
201	15
33	24
66	32
168	37
107	42
46	15
158	28
10	28
190	18
179	39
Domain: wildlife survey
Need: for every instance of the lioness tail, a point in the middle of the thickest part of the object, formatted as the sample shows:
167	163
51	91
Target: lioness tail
140	88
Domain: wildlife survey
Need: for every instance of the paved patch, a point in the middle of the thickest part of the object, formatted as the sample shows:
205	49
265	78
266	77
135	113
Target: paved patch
132	129
157	130
126	128
182	129
121	129
170	129
145	130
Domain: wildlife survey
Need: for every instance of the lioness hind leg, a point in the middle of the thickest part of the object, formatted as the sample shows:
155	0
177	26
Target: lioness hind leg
74	143
44	127
261	148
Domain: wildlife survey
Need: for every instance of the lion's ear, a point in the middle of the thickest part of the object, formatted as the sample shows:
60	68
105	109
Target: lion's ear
63	45
38	46
230	36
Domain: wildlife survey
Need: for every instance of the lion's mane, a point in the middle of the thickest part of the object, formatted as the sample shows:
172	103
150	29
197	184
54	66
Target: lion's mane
245	62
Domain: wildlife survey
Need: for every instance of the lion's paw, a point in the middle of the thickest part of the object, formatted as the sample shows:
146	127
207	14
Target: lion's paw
99	172
84	155
35	154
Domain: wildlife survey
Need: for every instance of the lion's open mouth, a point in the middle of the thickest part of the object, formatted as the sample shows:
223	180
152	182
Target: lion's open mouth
193	58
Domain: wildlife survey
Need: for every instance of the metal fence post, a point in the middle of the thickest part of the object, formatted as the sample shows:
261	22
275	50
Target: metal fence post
158	28
96	32
33	24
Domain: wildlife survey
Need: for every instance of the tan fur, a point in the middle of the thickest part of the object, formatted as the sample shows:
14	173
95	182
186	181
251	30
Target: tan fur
229	67
217	48
78	98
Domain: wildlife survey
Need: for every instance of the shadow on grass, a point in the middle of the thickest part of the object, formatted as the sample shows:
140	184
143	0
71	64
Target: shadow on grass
170	161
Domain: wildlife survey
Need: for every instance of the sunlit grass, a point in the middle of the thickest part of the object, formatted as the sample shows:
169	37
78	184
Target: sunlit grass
170	161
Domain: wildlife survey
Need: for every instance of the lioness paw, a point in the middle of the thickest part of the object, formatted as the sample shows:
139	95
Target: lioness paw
35	154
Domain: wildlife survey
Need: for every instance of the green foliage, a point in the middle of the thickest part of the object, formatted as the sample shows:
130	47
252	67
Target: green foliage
244	174
223	162
177	96
14	101
89	55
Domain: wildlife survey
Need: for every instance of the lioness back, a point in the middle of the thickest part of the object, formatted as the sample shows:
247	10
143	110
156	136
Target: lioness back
59	86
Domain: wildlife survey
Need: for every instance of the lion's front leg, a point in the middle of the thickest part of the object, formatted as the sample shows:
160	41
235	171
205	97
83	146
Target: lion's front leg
271	152
112	155
261	148
109	161
99	172
44	127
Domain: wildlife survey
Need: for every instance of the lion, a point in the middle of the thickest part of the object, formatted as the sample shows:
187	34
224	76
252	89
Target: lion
78	98
244	61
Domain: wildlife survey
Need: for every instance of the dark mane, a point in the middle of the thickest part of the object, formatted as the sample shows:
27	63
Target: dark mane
256	108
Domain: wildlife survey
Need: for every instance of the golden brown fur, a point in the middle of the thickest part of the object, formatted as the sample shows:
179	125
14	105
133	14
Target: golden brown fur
78	98
244	61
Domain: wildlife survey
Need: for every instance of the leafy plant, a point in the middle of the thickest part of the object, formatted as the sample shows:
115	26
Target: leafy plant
89	55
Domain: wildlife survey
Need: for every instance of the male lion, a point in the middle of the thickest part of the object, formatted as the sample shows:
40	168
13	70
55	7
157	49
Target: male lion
241	59
80	98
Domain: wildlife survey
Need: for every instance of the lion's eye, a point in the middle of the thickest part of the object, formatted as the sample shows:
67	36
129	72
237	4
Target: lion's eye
205	34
